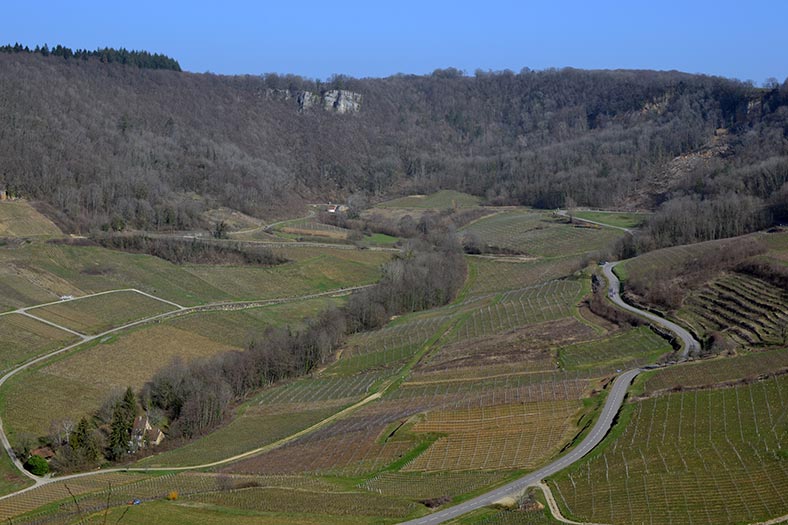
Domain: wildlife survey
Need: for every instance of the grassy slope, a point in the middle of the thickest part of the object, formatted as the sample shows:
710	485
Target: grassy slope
441	200
456	405
73	389
621	220
52	270
20	219
22	338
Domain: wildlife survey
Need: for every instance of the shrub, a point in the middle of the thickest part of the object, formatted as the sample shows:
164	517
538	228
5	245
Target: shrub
37	465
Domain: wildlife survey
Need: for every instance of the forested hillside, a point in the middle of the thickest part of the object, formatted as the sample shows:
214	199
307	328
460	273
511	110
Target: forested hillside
157	147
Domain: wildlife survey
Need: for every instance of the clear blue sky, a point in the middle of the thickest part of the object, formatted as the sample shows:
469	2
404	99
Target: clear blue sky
746	40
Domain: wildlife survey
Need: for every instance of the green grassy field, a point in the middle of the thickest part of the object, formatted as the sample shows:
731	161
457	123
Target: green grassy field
441	200
46	271
713	456
22	338
20	219
72	387
234	327
621	220
248	431
10	478
539	234
93	315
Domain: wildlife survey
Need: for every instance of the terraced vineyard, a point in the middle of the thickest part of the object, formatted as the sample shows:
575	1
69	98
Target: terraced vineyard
20	219
50	493
520	351
119	489
496	437
722	370
289	501
751	312
711	457
429	485
388	347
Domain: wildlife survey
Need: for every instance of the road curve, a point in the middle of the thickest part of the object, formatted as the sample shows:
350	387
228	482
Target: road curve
598	432
689	345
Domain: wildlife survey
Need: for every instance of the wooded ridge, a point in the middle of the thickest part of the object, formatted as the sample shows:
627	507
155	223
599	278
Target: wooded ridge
154	148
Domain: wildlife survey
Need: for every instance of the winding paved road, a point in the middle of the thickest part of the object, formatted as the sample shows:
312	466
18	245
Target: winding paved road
612	405
689	345
598	432
600	429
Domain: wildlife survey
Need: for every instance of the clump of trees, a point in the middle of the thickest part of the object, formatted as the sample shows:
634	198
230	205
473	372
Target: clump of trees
197	396
688	220
769	271
106	435
180	251
191	398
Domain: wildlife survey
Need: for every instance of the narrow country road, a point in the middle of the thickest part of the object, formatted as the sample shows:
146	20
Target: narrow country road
179	310
598	432
600	429
689	345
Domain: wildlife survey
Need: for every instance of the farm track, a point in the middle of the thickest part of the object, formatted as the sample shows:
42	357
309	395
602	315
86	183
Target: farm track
564	213
600	429
180	310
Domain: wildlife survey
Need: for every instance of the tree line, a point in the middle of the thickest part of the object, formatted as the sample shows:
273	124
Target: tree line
141	59
181	251
192	398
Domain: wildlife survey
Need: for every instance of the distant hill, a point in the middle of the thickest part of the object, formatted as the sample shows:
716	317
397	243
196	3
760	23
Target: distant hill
159	147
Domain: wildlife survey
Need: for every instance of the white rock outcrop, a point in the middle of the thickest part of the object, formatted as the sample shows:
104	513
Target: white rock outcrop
306	99
342	101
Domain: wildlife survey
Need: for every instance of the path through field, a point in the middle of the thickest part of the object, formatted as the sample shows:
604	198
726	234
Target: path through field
595	436
88	338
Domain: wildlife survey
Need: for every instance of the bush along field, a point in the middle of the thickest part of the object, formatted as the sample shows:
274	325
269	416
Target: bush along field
453	375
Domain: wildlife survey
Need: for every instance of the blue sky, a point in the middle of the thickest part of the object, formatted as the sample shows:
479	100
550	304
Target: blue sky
746	40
